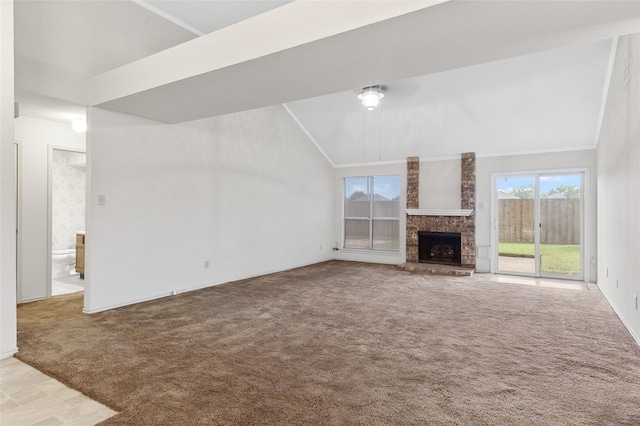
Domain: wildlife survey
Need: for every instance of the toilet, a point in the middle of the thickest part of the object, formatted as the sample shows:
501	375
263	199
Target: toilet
63	263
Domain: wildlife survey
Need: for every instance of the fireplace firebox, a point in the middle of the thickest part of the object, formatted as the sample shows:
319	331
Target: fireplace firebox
439	247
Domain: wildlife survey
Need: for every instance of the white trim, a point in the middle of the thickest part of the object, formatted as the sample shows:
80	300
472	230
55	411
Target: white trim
9	354
375	163
605	89
19	185
493	253
168	17
439	212
538	151
306	132
489	155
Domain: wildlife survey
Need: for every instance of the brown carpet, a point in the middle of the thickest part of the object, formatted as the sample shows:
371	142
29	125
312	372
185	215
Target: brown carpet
346	343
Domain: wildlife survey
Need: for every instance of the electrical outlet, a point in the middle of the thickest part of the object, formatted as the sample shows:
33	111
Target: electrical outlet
102	200
174	292
206	264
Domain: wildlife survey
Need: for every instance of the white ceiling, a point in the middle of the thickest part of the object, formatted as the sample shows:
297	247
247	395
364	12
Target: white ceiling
460	93
89	37
204	17
546	101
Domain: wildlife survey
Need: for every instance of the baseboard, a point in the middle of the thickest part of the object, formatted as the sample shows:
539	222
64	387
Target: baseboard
9	354
34	299
633	334
179	291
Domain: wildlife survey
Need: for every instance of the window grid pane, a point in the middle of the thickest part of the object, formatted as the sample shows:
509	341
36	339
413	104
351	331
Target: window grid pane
386	235
372	213
356	234
357	200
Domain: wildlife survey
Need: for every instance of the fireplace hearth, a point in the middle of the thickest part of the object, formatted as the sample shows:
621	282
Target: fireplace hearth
439	247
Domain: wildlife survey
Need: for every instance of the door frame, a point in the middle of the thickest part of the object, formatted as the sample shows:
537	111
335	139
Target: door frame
18	176
585	237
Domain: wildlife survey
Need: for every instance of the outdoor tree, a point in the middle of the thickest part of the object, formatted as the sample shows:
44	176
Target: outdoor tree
567	191
523	192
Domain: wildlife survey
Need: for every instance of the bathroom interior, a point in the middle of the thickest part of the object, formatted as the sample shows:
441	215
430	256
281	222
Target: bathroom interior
68	188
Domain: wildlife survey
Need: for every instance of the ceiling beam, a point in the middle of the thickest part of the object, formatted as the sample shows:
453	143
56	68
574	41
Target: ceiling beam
308	48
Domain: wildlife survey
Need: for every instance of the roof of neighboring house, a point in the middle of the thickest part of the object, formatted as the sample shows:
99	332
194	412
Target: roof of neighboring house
376	197
504	195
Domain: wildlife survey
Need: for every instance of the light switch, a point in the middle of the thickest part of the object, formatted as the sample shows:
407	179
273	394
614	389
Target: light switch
102	200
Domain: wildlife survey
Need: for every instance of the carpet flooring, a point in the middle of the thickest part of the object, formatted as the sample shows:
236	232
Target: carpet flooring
344	343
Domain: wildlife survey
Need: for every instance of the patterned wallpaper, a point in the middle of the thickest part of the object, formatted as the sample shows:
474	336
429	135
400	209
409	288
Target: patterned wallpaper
68	197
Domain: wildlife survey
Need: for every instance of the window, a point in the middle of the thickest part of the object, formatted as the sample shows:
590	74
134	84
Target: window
372	213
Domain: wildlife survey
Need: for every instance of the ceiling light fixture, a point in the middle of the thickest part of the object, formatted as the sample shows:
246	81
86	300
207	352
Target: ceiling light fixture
370	97
79	125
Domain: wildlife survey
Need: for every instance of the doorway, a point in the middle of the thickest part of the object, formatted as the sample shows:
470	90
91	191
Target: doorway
67	207
539	224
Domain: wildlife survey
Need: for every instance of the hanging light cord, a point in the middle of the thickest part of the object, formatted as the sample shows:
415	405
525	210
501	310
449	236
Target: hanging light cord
363	129
379	131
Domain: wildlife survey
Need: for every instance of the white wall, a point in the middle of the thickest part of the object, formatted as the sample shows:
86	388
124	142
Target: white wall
247	192
338	193
35	137
618	158
485	166
8	330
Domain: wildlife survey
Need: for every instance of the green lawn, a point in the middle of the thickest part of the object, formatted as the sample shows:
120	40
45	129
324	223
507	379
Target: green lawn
555	259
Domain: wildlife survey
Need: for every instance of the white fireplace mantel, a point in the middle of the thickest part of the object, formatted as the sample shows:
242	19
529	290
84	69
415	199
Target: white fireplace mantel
439	212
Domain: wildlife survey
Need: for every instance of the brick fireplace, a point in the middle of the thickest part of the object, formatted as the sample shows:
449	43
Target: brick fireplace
446	222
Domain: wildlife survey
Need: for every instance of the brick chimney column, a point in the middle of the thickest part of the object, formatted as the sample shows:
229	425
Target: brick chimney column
468	202
468	181
413	182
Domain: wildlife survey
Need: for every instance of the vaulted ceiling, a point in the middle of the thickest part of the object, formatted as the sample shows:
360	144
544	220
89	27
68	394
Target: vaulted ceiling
488	77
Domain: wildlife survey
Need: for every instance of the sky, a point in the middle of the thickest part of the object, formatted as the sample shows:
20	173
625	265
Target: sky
507	183
387	186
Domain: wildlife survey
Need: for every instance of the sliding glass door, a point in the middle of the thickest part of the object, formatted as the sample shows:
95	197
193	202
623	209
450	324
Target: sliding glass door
561	225
516	224
539	224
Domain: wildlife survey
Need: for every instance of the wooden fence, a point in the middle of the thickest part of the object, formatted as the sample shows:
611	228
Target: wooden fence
560	219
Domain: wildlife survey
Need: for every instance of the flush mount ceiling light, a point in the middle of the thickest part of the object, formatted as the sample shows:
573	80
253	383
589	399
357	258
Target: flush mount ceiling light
370	97
79	125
